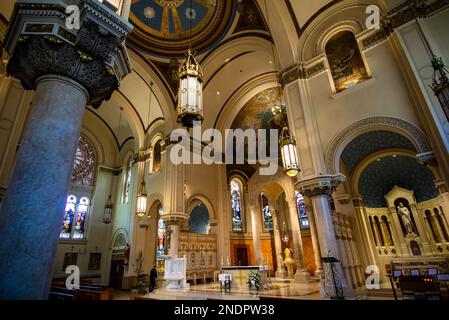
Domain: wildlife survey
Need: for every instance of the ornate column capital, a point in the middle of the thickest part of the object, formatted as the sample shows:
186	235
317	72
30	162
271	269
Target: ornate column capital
175	218
320	185
441	186
94	55
357	200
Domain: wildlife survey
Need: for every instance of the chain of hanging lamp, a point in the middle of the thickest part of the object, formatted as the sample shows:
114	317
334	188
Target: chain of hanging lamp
108	208
286	140
142	196
190	95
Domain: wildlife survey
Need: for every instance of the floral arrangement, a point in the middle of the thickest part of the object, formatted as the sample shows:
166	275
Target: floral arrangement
254	280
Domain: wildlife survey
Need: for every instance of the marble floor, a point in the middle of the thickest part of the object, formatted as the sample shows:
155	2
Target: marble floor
211	291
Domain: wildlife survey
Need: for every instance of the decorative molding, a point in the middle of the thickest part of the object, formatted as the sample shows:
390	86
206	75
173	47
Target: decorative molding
391	20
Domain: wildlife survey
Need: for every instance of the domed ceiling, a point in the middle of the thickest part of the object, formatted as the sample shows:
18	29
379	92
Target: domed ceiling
164	27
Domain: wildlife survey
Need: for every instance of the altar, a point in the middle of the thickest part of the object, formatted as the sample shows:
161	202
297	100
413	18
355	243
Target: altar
240	275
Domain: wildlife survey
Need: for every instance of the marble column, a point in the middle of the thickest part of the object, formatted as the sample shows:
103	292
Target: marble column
65	81
318	189
315	244
174	240
256	232
31	217
301	274
277	230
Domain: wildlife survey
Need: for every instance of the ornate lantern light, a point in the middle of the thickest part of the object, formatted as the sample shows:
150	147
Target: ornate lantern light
107	215
142	196
288	152
142	201
108	208
286	140
440	84
190	97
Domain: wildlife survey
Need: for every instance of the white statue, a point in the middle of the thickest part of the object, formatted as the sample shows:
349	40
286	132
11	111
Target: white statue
406	218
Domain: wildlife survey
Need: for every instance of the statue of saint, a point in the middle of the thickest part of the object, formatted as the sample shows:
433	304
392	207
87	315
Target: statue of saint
287	254
406	218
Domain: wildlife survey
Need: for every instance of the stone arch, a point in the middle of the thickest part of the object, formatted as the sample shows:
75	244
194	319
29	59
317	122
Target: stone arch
200	199
120	239
403	127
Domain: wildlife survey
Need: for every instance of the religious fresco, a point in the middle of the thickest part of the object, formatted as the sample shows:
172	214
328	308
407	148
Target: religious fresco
345	61
258	112
165	27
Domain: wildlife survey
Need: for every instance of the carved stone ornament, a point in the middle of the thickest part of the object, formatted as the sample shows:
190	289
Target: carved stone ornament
321	185
94	55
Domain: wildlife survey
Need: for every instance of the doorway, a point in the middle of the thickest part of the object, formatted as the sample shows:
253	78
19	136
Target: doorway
242	256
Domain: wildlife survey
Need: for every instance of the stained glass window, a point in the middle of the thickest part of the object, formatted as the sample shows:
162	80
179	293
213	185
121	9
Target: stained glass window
80	218
303	216
236	203
67	224
83	171
75	218
161	235
267	215
127	181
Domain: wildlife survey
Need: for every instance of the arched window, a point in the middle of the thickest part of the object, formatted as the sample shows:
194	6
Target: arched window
161	235
301	207
84	164
266	211
69	214
127	181
345	61
75	218
157	149
236	205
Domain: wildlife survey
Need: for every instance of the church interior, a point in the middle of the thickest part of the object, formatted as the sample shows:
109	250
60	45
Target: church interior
93	91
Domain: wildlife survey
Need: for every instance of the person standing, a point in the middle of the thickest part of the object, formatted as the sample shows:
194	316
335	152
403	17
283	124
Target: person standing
153	278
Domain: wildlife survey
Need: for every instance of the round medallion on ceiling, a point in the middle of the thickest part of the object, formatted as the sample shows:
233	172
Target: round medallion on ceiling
167	28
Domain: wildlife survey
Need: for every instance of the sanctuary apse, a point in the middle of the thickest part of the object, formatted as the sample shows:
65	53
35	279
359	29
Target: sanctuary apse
86	117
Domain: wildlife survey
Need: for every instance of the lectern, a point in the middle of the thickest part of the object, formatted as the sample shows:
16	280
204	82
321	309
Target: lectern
338	289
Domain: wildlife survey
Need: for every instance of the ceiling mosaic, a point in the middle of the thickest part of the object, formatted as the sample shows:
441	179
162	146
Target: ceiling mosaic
165	27
382	175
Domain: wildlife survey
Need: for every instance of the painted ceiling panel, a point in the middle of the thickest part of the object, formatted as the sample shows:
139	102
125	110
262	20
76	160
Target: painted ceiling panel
366	144
380	177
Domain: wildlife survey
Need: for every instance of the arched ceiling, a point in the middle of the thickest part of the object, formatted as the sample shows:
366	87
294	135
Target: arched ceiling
371	142
383	174
167	28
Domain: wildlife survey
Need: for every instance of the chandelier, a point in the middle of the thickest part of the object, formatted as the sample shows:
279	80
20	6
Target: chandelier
190	97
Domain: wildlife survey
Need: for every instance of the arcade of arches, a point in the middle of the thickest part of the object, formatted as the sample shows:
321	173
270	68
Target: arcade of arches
372	142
